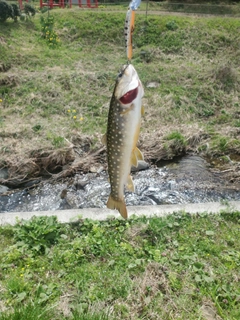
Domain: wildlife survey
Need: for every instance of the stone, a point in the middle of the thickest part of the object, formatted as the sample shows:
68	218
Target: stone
142	165
4	173
3	189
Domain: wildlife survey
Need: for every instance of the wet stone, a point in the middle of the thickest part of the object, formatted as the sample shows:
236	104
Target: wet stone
142	165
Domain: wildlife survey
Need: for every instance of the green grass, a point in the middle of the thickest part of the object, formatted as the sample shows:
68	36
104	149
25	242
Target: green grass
144	268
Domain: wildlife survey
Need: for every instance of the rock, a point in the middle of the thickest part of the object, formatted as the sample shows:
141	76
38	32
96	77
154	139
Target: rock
63	194
172	184
3	189
80	184
4	173
142	165
152	85
95	169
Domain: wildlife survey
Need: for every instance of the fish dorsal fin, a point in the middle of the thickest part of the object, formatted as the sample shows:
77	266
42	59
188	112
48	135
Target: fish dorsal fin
138	154
130	185
104	139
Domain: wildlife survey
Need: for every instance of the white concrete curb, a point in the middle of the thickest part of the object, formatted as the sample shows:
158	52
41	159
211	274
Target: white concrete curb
103	213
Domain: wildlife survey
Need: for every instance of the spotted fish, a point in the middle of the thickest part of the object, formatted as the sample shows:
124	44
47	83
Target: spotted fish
122	135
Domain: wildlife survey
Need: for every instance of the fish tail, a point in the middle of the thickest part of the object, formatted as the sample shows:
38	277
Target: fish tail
119	205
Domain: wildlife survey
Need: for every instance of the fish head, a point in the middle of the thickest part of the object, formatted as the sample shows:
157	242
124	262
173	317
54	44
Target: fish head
128	85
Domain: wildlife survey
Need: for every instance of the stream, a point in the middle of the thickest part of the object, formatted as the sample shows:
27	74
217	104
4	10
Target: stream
185	180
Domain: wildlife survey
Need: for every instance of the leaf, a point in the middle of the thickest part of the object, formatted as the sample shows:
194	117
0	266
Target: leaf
198	278
208	279
21	296
210	233
43	297
175	243
111	263
138	262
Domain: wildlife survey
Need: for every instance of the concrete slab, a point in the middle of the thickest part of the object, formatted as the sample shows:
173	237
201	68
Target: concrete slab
104	213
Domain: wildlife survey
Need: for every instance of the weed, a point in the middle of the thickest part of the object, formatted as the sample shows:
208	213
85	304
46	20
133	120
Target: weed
75	119
48	32
37	127
177	136
227	78
171	25
37	234
57	141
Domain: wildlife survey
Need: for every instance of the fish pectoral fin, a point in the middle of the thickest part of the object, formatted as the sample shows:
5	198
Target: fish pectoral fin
138	154
130	185
119	205
104	139
134	160
142	111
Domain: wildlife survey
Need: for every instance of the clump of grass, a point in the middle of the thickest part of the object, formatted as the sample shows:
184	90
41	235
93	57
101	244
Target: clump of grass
227	78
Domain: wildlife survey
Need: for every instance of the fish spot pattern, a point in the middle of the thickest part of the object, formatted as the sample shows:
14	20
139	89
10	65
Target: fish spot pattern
115	145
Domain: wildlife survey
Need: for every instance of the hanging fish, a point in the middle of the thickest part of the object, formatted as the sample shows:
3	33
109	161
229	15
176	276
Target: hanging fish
129	26
122	135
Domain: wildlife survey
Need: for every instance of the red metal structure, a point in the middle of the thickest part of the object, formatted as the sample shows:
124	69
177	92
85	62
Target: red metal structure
88	3
52	4
21	4
63	3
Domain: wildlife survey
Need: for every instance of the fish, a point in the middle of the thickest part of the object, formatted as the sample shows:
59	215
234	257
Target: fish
123	127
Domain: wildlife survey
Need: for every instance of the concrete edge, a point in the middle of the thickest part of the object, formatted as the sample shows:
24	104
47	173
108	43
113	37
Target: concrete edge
65	216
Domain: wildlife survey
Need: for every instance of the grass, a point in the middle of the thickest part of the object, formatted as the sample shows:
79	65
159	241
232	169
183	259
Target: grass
178	267
193	60
185	8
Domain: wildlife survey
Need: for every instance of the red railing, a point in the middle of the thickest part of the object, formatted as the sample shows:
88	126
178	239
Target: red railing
88	3
52	4
62	3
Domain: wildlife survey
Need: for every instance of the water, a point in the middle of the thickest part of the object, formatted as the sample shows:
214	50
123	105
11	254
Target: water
187	180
